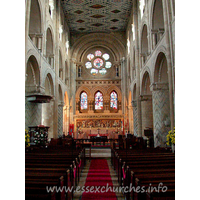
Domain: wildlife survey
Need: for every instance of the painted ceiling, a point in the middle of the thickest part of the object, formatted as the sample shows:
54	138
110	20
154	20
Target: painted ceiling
97	15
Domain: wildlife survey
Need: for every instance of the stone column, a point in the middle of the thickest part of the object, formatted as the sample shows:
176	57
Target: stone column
130	112
147	112
135	117
154	38
39	41
160	33
60	118
51	60
137	68
161	112
170	58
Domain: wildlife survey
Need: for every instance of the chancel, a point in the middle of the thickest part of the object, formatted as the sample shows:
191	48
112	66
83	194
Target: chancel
99	98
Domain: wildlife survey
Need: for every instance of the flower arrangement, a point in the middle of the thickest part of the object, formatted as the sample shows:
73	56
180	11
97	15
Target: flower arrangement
171	137
27	138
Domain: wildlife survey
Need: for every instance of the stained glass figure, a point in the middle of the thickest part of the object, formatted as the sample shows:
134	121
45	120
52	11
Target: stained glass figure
98	53
113	100
83	101
98	101
103	71
94	71
88	65
108	65
90	56
106	56
98	62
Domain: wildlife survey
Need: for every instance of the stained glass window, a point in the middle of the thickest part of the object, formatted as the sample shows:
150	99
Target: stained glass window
83	101
106	56
103	71
108	65
90	56
98	101
98	62
88	65
94	71
113	100
98	53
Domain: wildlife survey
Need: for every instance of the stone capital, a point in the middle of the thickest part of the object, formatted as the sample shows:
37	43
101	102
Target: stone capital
134	103
145	97
159	86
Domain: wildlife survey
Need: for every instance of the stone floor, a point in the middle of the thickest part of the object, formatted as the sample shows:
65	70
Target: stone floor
98	153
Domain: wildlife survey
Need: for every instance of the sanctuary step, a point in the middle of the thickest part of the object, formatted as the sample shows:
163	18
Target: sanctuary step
99	152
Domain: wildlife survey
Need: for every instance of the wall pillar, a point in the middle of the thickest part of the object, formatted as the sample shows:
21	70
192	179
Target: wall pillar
161	112
60	118
135	118
147	112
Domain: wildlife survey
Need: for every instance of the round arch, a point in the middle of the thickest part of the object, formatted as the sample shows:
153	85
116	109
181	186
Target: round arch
49	88
107	41
32	74
146	82
161	71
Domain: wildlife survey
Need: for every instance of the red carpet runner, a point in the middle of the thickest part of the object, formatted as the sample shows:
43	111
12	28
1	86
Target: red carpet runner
99	177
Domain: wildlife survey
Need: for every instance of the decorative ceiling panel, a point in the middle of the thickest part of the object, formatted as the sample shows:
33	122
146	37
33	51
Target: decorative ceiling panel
97	15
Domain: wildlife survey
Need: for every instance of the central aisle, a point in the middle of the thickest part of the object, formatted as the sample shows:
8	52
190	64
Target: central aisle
98	178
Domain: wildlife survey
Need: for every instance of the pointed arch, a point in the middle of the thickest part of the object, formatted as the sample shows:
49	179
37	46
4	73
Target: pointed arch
114	100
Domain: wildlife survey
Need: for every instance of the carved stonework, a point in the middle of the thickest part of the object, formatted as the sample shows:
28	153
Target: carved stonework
134	103
95	123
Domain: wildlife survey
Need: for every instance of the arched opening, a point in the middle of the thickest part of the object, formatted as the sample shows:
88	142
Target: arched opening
161	72
144	45
47	108
157	22
49	48
83	101
113	101
146	103
98	101
32	75
161	100
146	84
60	66
32	110
35	28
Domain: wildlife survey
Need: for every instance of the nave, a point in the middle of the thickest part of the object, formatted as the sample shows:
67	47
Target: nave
112	173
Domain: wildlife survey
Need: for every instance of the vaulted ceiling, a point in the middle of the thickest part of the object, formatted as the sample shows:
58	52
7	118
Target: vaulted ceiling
87	16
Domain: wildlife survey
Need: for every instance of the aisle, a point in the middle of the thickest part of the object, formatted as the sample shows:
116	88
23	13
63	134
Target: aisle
98	179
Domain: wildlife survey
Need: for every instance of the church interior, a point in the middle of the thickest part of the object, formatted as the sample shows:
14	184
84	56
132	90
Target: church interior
100	99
